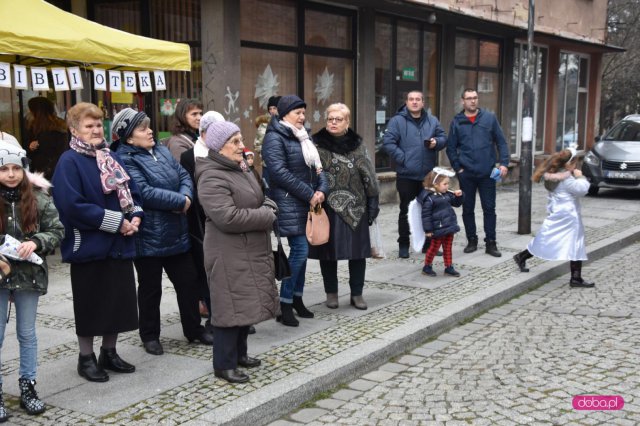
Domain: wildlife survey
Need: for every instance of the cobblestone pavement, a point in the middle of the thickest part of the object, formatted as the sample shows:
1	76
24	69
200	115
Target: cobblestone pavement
179	387
520	363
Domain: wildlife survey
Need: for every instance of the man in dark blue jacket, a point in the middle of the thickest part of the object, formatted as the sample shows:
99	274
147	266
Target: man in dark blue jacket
474	136
413	138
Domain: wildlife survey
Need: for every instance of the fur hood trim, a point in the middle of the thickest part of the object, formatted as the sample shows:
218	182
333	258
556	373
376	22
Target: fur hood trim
262	119
558	176
38	180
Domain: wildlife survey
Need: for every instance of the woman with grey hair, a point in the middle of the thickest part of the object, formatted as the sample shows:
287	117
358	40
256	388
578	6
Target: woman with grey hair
163	243
237	248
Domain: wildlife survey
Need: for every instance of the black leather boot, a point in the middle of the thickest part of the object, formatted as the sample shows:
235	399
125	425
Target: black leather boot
248	362
472	245
521	260
287	317
89	369
110	360
29	397
576	275
403	251
232	376
492	249
302	310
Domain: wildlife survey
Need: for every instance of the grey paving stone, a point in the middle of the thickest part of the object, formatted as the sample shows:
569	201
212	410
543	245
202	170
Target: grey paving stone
346	394
379	376
362	385
393	367
307	415
424	352
436	344
330	403
410	360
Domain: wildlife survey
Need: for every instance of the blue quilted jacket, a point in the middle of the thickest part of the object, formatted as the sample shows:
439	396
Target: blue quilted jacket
438	215
291	182
163	184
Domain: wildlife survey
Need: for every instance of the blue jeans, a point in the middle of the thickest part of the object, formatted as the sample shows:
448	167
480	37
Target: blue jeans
26	305
471	184
294	286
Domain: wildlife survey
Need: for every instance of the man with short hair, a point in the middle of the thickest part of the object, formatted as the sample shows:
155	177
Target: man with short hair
474	136
413	139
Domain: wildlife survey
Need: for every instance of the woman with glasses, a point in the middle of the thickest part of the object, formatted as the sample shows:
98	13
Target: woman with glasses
296	183
352	204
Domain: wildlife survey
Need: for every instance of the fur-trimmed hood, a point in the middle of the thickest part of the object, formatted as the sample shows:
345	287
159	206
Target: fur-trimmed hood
38	180
552	180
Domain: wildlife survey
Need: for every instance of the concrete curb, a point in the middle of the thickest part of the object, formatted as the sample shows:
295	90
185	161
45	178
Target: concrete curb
277	399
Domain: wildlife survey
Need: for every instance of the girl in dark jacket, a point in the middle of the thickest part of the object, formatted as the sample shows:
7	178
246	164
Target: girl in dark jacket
296	183
27	214
438	218
163	241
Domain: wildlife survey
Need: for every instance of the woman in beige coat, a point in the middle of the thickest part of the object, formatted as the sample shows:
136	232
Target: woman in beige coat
237	249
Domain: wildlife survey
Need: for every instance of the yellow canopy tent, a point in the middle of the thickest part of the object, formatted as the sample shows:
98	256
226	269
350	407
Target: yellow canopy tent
36	33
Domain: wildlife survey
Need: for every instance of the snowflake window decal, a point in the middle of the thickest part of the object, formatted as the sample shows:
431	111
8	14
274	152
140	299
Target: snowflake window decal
267	85
324	86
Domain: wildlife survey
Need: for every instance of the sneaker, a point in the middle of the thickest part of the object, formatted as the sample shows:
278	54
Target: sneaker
450	270
428	270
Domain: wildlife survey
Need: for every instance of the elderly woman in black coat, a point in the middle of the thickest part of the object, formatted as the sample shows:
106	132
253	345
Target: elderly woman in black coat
296	183
352	204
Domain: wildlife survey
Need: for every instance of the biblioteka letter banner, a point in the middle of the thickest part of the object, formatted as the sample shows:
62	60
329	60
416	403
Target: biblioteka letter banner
64	79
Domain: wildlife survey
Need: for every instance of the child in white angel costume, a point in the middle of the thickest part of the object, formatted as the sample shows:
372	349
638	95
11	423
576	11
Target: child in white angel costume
561	236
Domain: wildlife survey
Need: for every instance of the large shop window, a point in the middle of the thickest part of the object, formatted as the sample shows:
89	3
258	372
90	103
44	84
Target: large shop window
406	59
520	59
573	78
298	48
477	65
166	20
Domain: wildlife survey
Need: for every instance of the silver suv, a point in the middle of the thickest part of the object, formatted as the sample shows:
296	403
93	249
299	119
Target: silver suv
614	161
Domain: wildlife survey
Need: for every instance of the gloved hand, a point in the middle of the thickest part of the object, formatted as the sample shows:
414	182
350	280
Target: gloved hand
268	202
372	209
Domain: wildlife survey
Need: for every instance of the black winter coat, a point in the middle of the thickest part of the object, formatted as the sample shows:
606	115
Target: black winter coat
292	182
438	215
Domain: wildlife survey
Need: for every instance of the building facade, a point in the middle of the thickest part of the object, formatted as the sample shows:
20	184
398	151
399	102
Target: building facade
369	54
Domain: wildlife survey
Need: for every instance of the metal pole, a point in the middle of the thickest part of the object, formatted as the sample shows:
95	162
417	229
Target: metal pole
526	157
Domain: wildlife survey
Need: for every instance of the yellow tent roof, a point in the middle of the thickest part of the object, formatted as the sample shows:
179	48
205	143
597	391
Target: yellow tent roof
36	33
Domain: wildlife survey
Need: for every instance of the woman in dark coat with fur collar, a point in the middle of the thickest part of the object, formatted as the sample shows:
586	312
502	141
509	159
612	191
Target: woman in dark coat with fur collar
352	204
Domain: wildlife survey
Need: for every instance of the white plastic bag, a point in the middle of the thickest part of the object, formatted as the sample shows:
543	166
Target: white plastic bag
415	226
9	248
377	250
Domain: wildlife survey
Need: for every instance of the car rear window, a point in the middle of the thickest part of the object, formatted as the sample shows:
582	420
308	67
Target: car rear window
624	131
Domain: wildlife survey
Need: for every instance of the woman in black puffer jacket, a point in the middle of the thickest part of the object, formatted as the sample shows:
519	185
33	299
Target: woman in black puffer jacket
296	183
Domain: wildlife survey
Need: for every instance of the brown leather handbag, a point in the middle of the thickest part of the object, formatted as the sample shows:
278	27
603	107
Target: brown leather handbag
317	226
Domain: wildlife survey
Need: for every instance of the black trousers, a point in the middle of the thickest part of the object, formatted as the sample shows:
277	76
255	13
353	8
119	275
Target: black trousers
229	344
357	268
407	190
182	273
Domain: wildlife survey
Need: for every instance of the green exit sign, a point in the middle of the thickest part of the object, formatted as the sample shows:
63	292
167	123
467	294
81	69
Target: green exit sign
409	73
